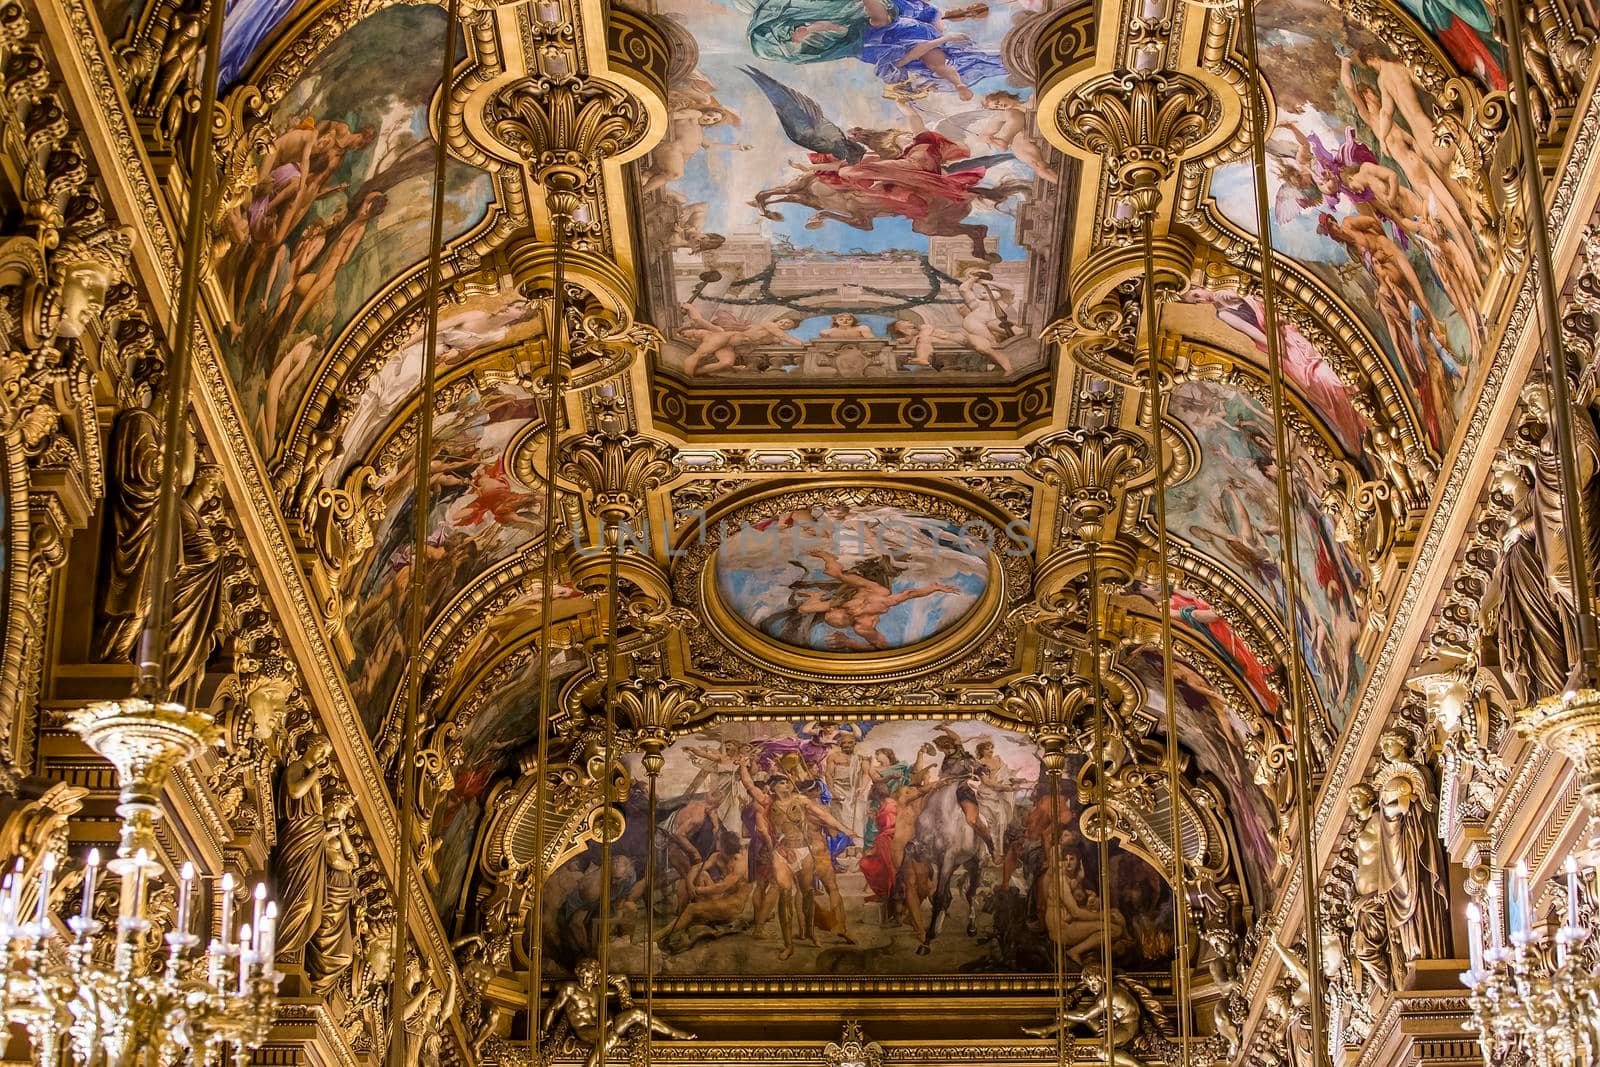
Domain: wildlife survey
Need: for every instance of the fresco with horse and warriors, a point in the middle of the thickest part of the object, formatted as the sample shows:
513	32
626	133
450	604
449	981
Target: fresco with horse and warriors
852	189
834	848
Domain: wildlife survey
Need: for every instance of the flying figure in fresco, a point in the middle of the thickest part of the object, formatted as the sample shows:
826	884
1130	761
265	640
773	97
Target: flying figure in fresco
860	175
904	40
853	600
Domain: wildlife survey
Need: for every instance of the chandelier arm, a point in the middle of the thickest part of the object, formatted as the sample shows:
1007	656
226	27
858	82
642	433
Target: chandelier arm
650	917
1180	898
154	655
612	532
1058	879
1255	85
420	494
1557	366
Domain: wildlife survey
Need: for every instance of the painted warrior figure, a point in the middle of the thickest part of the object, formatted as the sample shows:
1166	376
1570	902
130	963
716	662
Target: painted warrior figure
578	1003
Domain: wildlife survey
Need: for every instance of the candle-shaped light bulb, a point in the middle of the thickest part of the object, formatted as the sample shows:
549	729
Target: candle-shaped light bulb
260	895
16	890
268	936
1522	930
6	914
245	958
185	891
227	906
47	870
1475	938
1497	942
91	874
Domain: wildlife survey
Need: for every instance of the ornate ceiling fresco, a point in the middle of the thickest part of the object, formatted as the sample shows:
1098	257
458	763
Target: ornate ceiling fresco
866	205
858	345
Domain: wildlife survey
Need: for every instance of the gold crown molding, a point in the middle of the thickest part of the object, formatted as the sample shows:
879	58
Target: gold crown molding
936	413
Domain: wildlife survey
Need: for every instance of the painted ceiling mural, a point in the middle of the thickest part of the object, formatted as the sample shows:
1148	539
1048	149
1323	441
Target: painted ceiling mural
1229	509
878	815
480	513
339	205
1219	740
848	191
1364	199
852	190
864	580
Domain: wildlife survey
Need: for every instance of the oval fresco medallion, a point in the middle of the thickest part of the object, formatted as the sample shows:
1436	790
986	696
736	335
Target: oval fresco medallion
845	579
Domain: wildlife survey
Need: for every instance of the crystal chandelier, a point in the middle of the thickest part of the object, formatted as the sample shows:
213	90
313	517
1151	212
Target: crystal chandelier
1537	996
91	995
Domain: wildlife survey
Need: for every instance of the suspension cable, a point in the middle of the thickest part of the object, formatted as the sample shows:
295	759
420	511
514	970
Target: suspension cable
1102	795
1256	86
1180	897
555	380
422	484
612	533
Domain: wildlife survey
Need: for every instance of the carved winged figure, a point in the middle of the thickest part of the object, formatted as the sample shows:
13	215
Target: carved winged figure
1129	1008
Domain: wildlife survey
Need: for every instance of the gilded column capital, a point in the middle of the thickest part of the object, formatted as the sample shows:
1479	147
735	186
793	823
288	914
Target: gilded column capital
656	709
1141	123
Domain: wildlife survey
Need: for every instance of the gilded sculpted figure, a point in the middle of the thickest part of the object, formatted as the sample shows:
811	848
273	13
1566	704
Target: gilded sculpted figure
424	1013
302	867
1372	959
577	1003
332	949
197	600
1415	890
1123	1004
134	476
1519	615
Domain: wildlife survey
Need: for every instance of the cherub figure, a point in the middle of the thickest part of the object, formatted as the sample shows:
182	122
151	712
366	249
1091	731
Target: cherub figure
1017	131
720	344
1123	1004
577	1003
846	327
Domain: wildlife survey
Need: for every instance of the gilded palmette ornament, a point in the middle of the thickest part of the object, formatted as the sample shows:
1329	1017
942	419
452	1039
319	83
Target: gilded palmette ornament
656	709
1049	707
616	469
1141	124
1093	470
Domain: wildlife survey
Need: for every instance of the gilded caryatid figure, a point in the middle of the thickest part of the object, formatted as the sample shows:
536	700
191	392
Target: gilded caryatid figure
1128	1007
1373	963
1412	864
1518	614
302	867
578	1003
